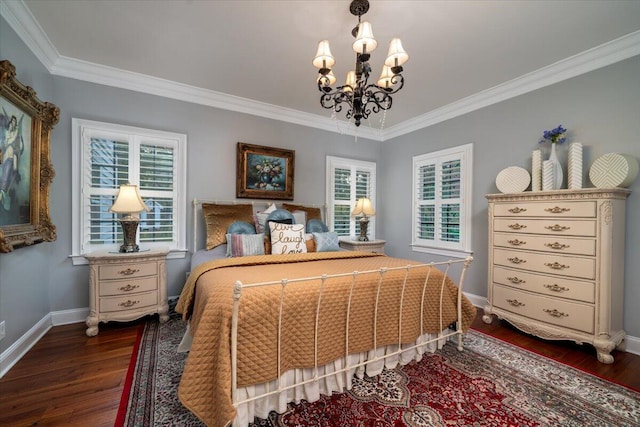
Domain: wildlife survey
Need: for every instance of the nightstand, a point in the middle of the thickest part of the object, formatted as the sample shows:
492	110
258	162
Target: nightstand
126	286
376	246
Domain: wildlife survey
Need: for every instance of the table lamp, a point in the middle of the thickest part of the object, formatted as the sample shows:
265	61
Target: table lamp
129	202
364	208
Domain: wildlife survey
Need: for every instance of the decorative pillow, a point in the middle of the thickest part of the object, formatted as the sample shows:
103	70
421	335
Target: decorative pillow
260	218
245	244
300	217
312	213
241	227
219	217
316	226
287	238
279	215
326	242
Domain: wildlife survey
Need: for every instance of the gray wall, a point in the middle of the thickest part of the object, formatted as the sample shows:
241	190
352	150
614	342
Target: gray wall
601	109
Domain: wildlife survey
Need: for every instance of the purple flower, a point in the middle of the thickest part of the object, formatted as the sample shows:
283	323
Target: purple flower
554	135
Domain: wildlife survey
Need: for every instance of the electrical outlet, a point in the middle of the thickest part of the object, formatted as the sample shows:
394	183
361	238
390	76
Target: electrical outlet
2	330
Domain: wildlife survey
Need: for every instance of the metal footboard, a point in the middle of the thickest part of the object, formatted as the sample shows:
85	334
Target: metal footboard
444	331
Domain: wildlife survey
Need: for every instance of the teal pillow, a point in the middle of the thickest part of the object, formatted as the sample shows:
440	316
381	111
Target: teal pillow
326	242
241	227
316	226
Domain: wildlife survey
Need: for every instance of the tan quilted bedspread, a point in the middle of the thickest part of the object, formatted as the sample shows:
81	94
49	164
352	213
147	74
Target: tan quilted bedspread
205	387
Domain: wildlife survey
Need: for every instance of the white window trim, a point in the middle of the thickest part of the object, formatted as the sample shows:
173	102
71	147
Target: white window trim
465	153
179	248
341	162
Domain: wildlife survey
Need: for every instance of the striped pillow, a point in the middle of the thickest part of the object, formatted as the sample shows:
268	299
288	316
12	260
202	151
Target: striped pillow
245	244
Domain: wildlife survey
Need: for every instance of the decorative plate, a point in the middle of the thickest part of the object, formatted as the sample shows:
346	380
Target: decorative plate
513	179
613	170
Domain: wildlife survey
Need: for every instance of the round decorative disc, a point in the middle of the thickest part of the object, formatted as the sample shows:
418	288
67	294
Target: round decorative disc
613	170
513	179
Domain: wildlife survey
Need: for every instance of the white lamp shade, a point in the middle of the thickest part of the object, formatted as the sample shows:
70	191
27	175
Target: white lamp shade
128	200
365	39
351	81
363	207
324	58
396	53
327	80
385	78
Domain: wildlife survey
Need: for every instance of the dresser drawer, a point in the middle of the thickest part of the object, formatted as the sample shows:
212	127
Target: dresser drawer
547	209
128	286
128	302
557	244
560	227
546	309
549	285
131	270
584	268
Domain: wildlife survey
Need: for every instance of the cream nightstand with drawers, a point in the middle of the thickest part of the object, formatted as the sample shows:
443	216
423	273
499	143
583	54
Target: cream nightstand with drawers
376	246
126	286
556	264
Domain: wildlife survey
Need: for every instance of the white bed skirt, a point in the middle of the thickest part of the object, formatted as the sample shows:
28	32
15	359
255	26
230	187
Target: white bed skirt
335	382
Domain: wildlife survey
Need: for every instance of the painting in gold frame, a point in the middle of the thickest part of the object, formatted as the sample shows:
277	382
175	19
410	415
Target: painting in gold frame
26	172
264	172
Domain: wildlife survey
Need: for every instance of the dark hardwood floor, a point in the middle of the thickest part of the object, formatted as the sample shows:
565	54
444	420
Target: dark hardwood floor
71	379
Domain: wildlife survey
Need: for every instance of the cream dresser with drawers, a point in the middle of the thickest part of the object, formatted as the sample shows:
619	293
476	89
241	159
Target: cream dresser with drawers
556	264
126	286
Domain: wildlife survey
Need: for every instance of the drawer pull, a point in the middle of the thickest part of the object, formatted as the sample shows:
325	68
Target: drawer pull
557	209
517	260
556	245
556	265
517	210
515	303
517	242
556	288
128	288
555	313
128	271
517	226
128	303
557	227
515	280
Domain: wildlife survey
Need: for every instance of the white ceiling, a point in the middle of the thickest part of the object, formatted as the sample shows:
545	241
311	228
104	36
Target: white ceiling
463	54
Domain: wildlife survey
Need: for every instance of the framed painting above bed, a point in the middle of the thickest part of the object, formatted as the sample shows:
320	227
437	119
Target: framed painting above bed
264	172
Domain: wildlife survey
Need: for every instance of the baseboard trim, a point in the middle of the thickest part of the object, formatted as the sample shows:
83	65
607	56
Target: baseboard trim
18	349
66	317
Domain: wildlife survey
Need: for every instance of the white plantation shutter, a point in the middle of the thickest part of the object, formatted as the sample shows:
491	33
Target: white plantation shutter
112	155
441	202
349	180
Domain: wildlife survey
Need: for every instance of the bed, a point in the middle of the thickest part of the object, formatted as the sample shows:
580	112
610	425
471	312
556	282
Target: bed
266	330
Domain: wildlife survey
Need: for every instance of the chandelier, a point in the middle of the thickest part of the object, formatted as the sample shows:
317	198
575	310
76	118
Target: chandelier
361	97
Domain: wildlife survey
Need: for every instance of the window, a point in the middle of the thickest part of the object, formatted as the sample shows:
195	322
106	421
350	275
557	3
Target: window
347	181
107	156
442	201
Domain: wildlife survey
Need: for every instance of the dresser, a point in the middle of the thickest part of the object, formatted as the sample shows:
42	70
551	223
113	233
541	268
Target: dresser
376	246
556	264
126	286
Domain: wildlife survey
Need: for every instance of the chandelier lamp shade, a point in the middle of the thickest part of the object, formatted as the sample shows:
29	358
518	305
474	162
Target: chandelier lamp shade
364	209
361	97
129	202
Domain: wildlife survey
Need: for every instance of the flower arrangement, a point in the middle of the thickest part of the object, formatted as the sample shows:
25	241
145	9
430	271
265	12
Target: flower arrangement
554	135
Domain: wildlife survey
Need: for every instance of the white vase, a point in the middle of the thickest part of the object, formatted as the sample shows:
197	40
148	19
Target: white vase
558	175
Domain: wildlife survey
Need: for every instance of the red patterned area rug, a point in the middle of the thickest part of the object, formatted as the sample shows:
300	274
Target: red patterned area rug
489	383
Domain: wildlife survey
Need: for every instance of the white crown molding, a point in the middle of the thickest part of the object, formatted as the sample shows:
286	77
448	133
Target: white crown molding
22	21
24	24
600	56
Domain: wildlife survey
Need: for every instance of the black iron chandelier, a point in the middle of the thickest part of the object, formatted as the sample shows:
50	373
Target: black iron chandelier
361	97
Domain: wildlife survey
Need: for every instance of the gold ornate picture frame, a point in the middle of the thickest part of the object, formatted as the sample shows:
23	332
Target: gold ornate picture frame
26	171
264	172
